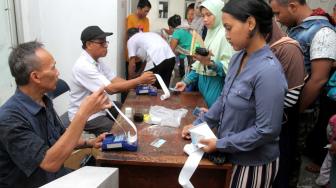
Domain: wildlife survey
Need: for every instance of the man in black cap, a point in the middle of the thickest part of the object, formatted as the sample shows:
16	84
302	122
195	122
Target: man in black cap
90	73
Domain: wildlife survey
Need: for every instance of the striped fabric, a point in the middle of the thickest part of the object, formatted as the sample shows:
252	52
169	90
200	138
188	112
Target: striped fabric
292	96
254	176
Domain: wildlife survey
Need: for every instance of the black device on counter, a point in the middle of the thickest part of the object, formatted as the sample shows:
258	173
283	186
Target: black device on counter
202	51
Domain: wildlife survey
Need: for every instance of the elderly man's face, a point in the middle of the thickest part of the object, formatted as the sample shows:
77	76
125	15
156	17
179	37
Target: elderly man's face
98	47
47	74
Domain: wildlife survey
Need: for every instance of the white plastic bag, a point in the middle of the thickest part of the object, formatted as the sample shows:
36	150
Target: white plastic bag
167	117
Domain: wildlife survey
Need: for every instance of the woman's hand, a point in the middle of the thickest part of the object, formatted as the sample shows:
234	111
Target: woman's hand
210	145
204	110
185	132
180	86
97	142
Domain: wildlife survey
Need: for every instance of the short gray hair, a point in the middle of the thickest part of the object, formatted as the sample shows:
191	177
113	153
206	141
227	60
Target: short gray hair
23	60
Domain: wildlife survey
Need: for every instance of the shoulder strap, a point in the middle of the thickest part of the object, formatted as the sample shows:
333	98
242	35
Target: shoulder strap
285	40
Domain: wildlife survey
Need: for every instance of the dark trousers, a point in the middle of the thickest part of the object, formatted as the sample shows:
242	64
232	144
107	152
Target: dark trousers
317	138
164	69
102	124
288	149
182	67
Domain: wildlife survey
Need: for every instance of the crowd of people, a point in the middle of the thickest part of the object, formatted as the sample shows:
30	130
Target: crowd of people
270	91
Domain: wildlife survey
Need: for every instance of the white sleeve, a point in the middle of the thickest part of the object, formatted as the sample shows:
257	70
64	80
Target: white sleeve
323	44
106	70
90	78
131	46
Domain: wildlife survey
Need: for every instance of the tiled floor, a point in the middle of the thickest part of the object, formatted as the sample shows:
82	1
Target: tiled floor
307	179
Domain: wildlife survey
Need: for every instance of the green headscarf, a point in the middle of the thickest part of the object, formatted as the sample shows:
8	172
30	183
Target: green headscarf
215	40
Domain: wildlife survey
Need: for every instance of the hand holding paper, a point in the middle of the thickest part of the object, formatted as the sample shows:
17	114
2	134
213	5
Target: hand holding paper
180	86
201	131
209	145
198	133
185	132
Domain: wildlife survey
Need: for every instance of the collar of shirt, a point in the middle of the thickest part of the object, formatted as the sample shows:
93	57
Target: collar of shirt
89	58
315	18
256	54
32	106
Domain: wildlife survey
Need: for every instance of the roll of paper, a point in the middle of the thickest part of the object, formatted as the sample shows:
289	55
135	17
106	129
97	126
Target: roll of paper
189	167
166	94
195	153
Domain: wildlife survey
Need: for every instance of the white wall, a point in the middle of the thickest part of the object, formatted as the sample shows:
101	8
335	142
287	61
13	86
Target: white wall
327	5
7	40
59	23
174	7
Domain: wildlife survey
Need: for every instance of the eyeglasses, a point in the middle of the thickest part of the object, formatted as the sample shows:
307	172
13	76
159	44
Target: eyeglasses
101	43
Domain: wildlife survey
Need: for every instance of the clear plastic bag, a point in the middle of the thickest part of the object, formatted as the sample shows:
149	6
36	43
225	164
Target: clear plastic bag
166	117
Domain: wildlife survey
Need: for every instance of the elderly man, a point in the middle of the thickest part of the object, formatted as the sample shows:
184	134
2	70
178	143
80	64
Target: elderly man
90	73
33	142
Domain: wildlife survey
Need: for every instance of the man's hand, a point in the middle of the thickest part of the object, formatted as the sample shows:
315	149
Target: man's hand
97	142
180	86
210	144
147	78
185	132
96	102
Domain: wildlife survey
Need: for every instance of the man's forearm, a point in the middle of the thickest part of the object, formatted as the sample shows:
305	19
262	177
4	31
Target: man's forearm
131	68
62	149
310	92
120	86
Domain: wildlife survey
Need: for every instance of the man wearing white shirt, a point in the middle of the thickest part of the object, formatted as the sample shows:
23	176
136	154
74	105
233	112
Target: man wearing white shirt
154	50
90	73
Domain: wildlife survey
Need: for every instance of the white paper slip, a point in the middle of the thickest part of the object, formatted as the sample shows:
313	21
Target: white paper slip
166	94
199	132
158	142
130	138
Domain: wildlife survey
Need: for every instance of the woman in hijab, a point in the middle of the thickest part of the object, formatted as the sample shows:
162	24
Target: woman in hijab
209	71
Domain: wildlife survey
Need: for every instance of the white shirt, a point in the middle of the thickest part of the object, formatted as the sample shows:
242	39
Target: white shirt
87	76
150	47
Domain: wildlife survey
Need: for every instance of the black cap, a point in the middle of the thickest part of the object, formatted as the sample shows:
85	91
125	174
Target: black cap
93	32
